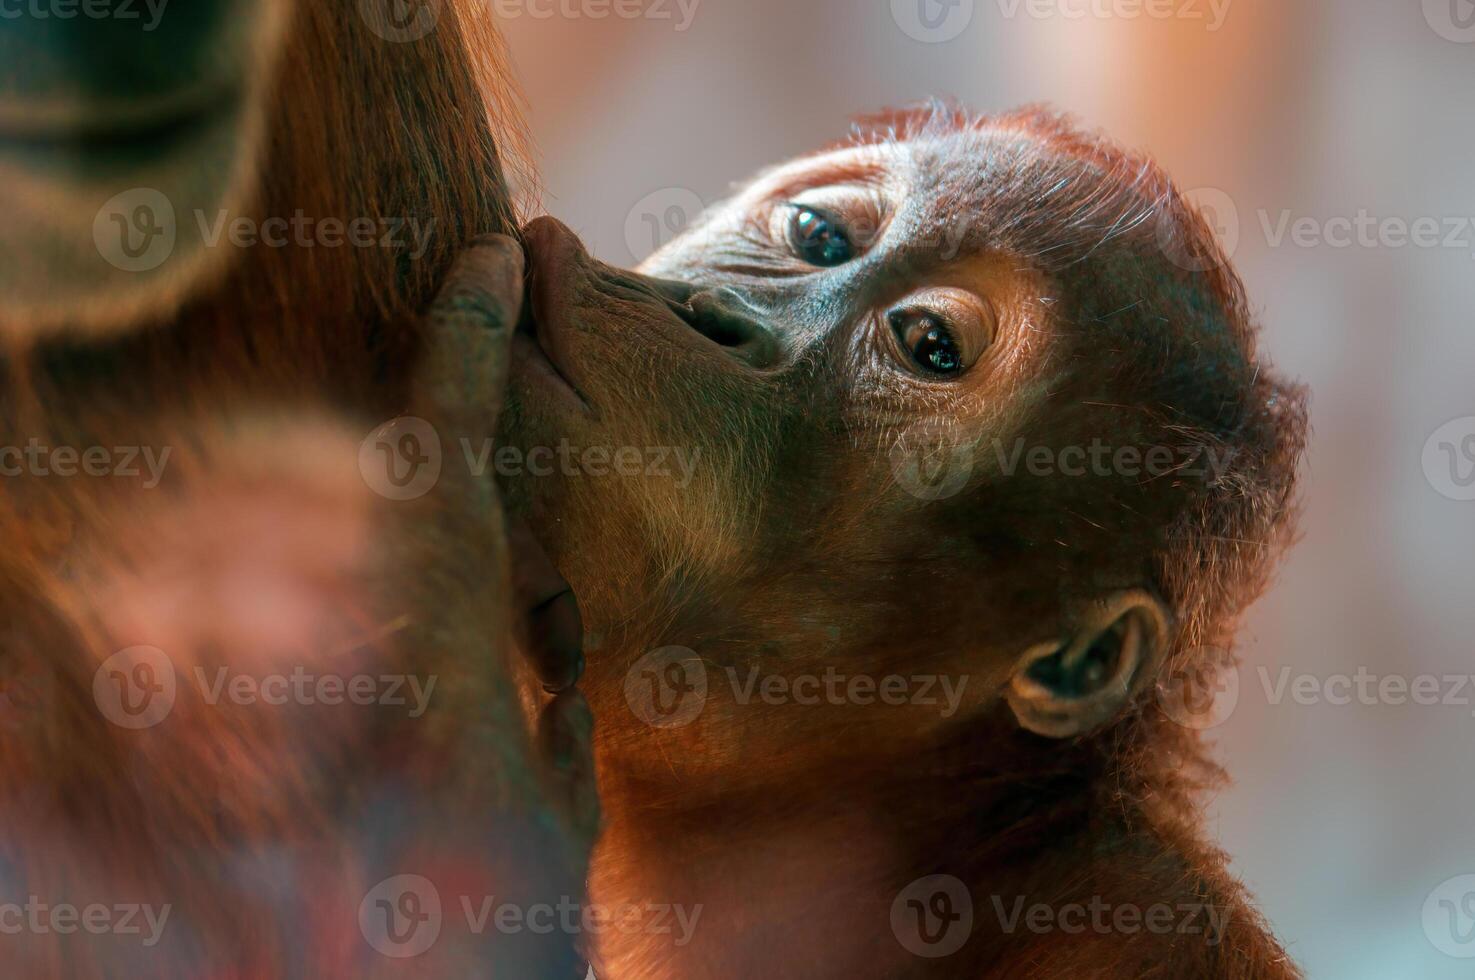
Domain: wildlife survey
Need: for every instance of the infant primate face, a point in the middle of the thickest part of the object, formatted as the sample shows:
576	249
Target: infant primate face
777	349
799	433
855	255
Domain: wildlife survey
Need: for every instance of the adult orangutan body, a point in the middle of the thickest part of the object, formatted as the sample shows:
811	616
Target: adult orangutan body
148	757
944	285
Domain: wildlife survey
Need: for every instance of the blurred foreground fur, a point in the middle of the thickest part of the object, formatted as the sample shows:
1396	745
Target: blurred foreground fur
256	829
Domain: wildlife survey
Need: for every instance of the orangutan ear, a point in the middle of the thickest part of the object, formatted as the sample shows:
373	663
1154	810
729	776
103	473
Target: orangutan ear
1069	687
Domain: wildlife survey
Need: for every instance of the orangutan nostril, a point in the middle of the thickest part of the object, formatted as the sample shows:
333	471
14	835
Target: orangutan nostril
724	318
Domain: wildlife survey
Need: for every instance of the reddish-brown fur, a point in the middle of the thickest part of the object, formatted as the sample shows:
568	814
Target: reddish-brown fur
262	550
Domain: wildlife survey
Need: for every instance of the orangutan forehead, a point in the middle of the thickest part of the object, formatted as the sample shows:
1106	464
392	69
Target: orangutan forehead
865	165
959	157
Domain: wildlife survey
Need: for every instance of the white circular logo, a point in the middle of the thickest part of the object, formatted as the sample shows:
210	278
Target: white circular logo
135	230
933	916
1449	917
658	217
1453	20
1219	210
1204	692
933	459
1449	459
401	459
400	20
932	21
135	687
667	688
400	917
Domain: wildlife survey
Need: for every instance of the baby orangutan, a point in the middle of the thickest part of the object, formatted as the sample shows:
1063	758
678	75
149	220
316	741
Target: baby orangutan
981	454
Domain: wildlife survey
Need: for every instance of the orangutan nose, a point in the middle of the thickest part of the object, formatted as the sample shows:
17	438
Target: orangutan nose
722	316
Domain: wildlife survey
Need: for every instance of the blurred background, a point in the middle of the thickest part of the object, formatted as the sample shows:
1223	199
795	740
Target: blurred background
1334	141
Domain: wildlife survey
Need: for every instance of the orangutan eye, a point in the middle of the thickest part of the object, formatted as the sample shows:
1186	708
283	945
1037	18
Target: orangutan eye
818	238
928	340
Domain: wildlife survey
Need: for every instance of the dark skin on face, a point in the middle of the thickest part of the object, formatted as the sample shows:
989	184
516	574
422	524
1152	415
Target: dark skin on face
905	298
